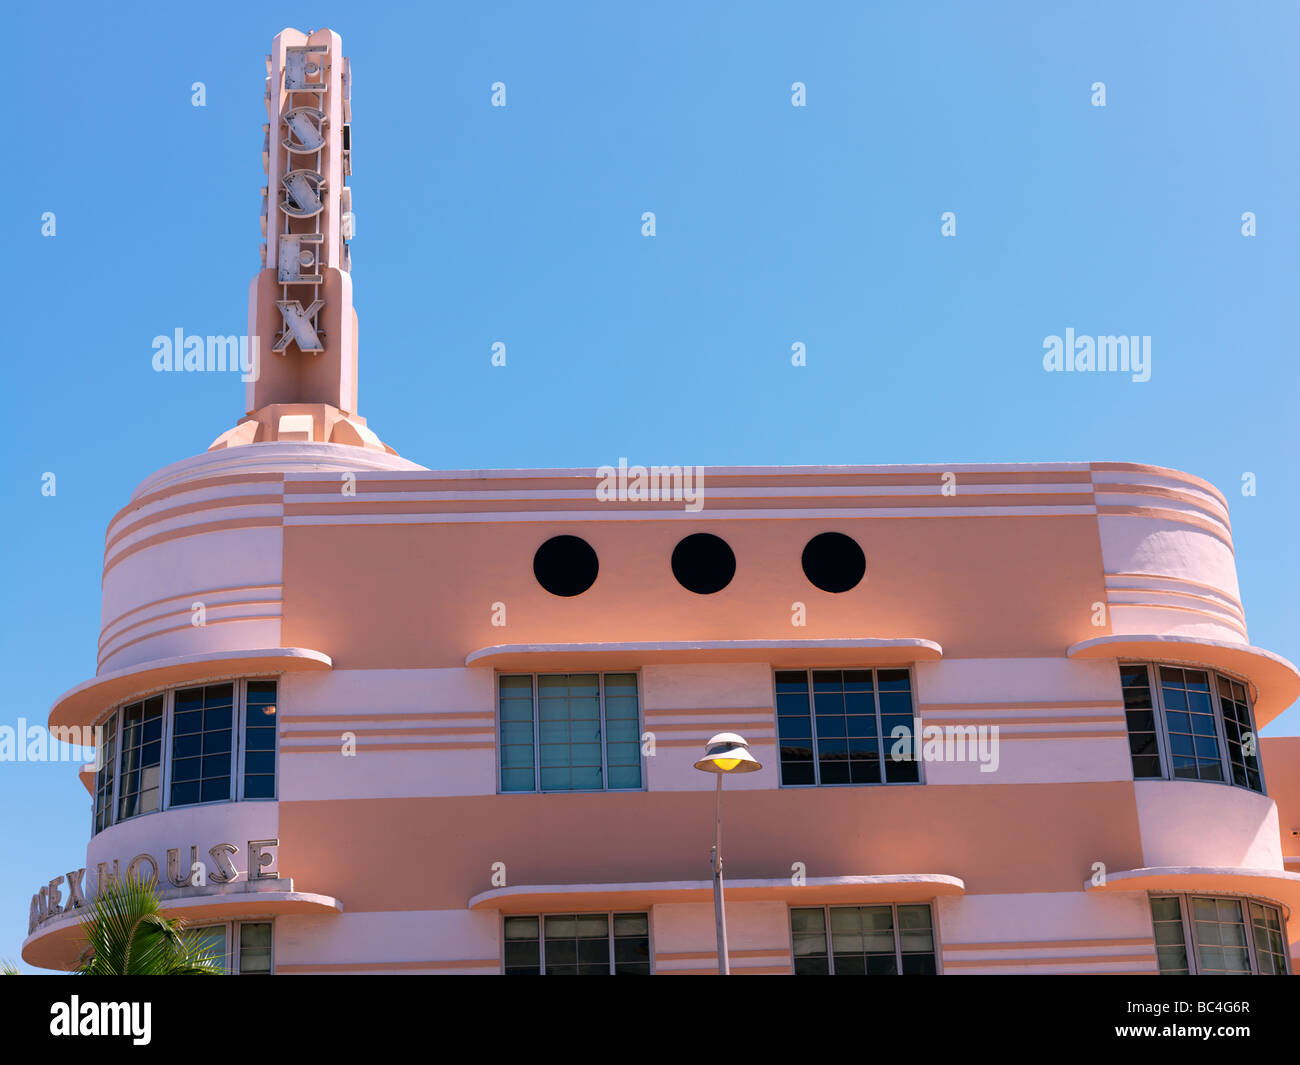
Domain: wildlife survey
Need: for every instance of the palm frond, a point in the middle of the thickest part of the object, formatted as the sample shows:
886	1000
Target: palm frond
127	935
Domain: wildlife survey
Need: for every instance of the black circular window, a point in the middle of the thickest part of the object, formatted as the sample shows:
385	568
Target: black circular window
703	563
566	565
834	562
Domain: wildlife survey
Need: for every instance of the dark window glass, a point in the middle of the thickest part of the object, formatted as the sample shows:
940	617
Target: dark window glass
578	944
1189	721
1144	748
883	940
523	951
631	944
1202	715
1239	732
850	726
808	932
139	787
205	715
104	774
259	739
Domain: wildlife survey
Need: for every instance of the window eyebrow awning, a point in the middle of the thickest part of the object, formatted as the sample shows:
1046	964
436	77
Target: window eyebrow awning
815	891
85	703
865	651
57	944
1274	681
1265	884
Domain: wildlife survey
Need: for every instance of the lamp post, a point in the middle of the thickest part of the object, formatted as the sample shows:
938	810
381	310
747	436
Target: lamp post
724	753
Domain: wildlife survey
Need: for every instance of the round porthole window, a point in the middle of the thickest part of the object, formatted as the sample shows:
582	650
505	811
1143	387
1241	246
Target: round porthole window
566	565
834	562
703	563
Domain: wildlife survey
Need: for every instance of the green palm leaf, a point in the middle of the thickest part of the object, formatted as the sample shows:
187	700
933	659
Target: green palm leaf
127	935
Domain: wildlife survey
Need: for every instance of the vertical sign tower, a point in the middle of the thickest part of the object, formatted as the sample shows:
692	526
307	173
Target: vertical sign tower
301	322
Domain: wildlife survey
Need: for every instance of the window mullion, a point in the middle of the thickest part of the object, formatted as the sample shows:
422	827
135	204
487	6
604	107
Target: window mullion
816	754
1221	729
537	740
238	721
880	729
165	769
604	755
117	766
830	953
1248	920
898	938
1189	935
1162	726
1254	741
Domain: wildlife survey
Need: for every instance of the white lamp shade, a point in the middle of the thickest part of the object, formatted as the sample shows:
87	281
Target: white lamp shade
727	753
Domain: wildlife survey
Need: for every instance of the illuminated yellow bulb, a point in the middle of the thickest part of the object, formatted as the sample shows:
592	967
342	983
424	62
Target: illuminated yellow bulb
726	764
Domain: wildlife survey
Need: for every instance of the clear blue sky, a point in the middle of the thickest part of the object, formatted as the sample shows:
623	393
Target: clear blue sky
775	225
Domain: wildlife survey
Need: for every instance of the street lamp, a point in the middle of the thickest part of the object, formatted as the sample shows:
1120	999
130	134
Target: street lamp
725	753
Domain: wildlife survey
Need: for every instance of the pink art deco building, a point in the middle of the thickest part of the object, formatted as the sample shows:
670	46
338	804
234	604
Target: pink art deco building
360	716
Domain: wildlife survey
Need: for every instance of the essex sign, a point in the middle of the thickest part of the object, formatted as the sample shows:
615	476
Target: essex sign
49	902
300	305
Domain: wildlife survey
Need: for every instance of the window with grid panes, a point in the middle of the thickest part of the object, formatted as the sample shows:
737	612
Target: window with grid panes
1208	935
569	732
139	785
577	944
1189	724
882	940
844	727
243	948
186	746
202	736
106	774
259	740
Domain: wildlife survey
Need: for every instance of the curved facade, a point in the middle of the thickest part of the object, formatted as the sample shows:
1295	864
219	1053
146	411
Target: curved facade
407	633
360	716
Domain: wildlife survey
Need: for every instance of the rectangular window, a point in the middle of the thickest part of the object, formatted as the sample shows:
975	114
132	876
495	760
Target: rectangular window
569	732
259	740
220	742
1239	731
213	938
1189	724
243	948
844	727
106	774
1204	935
139	785
201	744
255	948
884	940
1140	714
578	944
